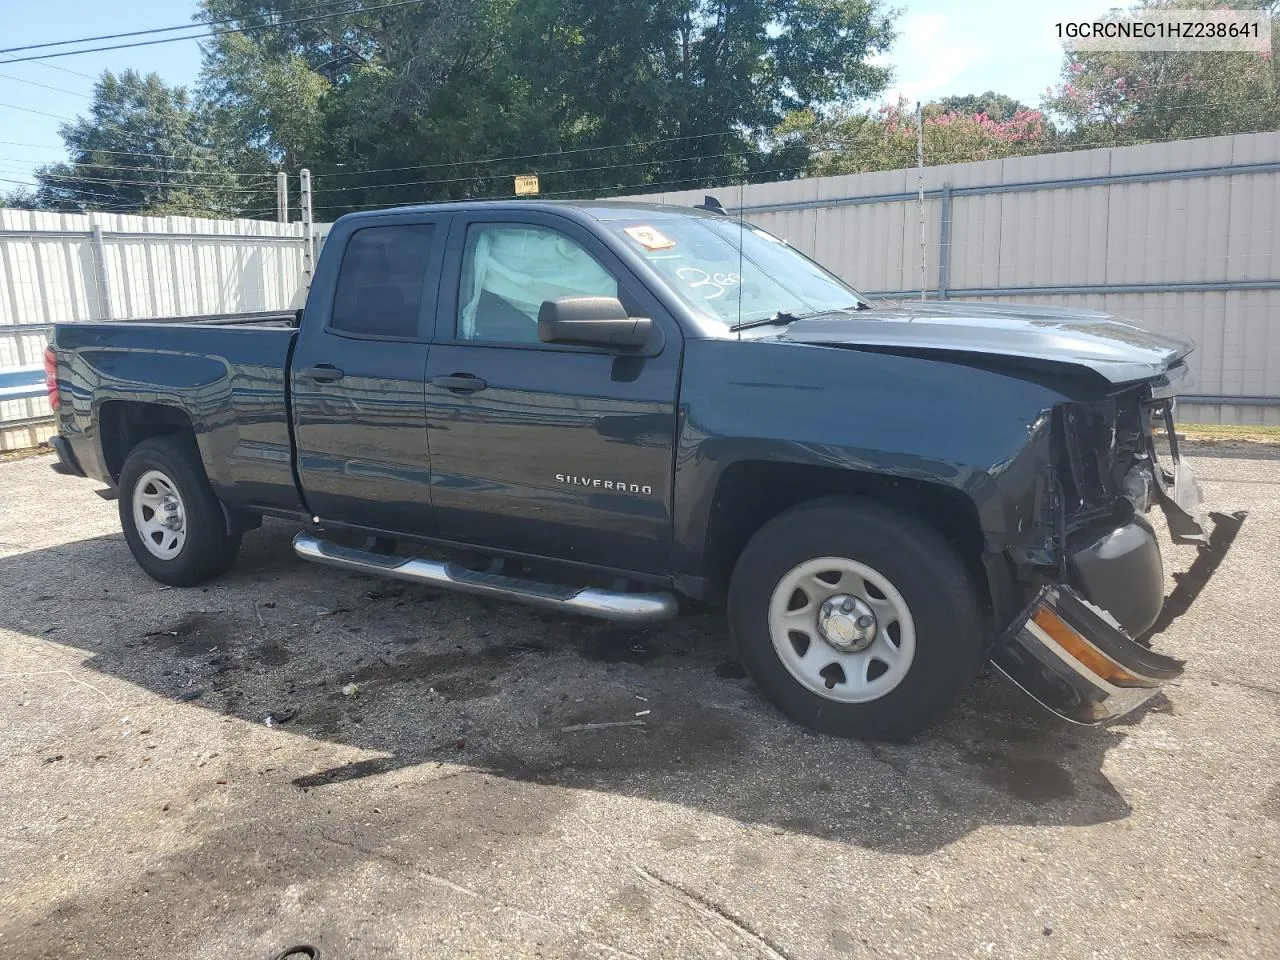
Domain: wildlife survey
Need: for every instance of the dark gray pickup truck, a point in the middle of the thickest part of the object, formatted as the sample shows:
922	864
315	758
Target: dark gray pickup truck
604	407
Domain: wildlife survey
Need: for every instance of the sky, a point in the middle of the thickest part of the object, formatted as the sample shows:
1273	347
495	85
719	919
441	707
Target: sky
944	47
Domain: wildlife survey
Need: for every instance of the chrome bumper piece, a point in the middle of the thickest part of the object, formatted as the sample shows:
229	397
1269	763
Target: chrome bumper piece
1074	659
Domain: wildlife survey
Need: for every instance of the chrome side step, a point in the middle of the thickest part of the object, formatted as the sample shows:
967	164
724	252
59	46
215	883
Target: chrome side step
588	601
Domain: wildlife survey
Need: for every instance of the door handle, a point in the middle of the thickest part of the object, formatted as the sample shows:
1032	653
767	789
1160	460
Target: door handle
459	383
324	373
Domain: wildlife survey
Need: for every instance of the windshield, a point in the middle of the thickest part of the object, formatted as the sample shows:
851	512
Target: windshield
700	260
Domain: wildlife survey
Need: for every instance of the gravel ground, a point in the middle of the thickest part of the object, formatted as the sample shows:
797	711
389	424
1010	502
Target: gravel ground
441	809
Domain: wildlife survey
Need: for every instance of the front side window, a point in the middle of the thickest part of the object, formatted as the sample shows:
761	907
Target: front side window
730	271
380	281
508	271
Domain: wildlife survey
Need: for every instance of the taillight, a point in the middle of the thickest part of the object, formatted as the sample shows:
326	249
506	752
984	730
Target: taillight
51	377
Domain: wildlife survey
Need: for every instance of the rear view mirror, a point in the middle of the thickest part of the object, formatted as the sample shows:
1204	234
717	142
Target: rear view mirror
597	321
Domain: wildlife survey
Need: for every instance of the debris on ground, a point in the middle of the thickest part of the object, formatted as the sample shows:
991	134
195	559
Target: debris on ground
350	689
279	717
579	727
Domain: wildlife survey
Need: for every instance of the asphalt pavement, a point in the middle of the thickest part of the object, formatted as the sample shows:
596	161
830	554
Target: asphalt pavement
296	755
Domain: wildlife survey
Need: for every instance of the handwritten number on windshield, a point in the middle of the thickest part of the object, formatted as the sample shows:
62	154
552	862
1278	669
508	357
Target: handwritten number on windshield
717	284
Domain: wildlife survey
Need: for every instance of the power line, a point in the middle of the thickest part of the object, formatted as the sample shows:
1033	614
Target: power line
22	183
70	178
119	153
195	25
694	181
215	33
531	156
183	171
60	181
544	173
41	113
54	66
454	163
46	86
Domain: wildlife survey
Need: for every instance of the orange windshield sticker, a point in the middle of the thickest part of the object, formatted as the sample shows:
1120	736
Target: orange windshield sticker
650	238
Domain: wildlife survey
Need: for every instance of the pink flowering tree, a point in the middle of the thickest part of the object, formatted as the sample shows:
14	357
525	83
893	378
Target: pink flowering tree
884	138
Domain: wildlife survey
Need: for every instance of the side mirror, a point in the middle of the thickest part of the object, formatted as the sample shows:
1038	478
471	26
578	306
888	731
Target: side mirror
597	321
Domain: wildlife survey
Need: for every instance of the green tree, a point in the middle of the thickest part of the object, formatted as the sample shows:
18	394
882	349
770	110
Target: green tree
144	147
1116	97
692	91
20	198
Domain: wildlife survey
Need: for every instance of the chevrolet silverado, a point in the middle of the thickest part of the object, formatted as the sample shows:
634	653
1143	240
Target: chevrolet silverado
603	408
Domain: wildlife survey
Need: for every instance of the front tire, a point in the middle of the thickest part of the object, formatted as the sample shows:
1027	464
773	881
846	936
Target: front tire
172	520
855	619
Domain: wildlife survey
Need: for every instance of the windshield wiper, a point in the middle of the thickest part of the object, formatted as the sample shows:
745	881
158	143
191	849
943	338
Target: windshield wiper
782	317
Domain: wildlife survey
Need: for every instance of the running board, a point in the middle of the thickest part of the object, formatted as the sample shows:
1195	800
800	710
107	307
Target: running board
587	601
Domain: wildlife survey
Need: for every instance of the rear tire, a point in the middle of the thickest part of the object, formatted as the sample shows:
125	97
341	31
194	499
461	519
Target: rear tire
173	522
856	619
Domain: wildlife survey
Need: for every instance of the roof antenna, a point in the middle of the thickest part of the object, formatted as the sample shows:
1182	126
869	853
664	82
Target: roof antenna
711	205
741	187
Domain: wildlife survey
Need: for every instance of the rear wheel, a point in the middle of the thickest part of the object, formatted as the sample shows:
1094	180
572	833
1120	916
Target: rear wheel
855	619
172	520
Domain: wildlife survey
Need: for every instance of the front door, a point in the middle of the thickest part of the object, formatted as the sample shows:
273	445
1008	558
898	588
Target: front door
547	449
357	377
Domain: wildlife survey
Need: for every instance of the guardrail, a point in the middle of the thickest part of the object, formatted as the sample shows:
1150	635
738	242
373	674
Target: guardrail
22	383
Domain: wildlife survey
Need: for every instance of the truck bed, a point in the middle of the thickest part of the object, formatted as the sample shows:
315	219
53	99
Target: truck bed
225	373
261	318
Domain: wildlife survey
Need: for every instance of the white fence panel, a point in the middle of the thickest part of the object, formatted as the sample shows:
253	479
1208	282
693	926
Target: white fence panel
57	267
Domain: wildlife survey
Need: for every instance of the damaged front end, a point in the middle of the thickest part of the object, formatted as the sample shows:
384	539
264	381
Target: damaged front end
1095	576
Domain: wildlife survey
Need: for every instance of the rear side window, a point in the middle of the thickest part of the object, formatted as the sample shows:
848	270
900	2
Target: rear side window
380	281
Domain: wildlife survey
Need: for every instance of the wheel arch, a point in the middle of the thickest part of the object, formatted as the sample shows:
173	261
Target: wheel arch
750	493
123	424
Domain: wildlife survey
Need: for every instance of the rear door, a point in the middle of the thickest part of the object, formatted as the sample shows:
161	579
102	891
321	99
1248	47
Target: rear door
357	376
548	449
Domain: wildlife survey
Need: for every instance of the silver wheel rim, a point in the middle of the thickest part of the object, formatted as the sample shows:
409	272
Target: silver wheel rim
842	629
160	515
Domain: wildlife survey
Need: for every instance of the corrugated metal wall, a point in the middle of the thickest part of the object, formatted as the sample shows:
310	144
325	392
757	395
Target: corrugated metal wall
1179	235
57	267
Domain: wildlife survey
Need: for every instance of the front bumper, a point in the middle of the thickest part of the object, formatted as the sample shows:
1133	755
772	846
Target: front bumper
1075	659
1073	648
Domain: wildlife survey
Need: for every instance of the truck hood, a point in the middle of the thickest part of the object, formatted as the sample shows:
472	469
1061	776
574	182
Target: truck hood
1115	348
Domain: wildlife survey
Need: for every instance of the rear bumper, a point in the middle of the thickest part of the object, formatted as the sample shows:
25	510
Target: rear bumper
67	464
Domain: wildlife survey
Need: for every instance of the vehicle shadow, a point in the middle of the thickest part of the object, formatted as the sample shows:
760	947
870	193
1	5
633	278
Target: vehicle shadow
416	676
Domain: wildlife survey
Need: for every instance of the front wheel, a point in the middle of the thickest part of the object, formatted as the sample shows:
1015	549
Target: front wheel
172	520
855	619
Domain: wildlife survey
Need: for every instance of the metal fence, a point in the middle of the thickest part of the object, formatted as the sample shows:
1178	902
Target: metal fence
58	267
1179	235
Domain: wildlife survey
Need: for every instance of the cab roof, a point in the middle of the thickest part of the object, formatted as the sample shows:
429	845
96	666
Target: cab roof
586	209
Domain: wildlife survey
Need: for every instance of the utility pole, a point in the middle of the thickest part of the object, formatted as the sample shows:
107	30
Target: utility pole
308	231
924	268
282	197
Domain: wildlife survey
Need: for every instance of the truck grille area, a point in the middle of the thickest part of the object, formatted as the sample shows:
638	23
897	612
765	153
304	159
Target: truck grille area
1097	445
